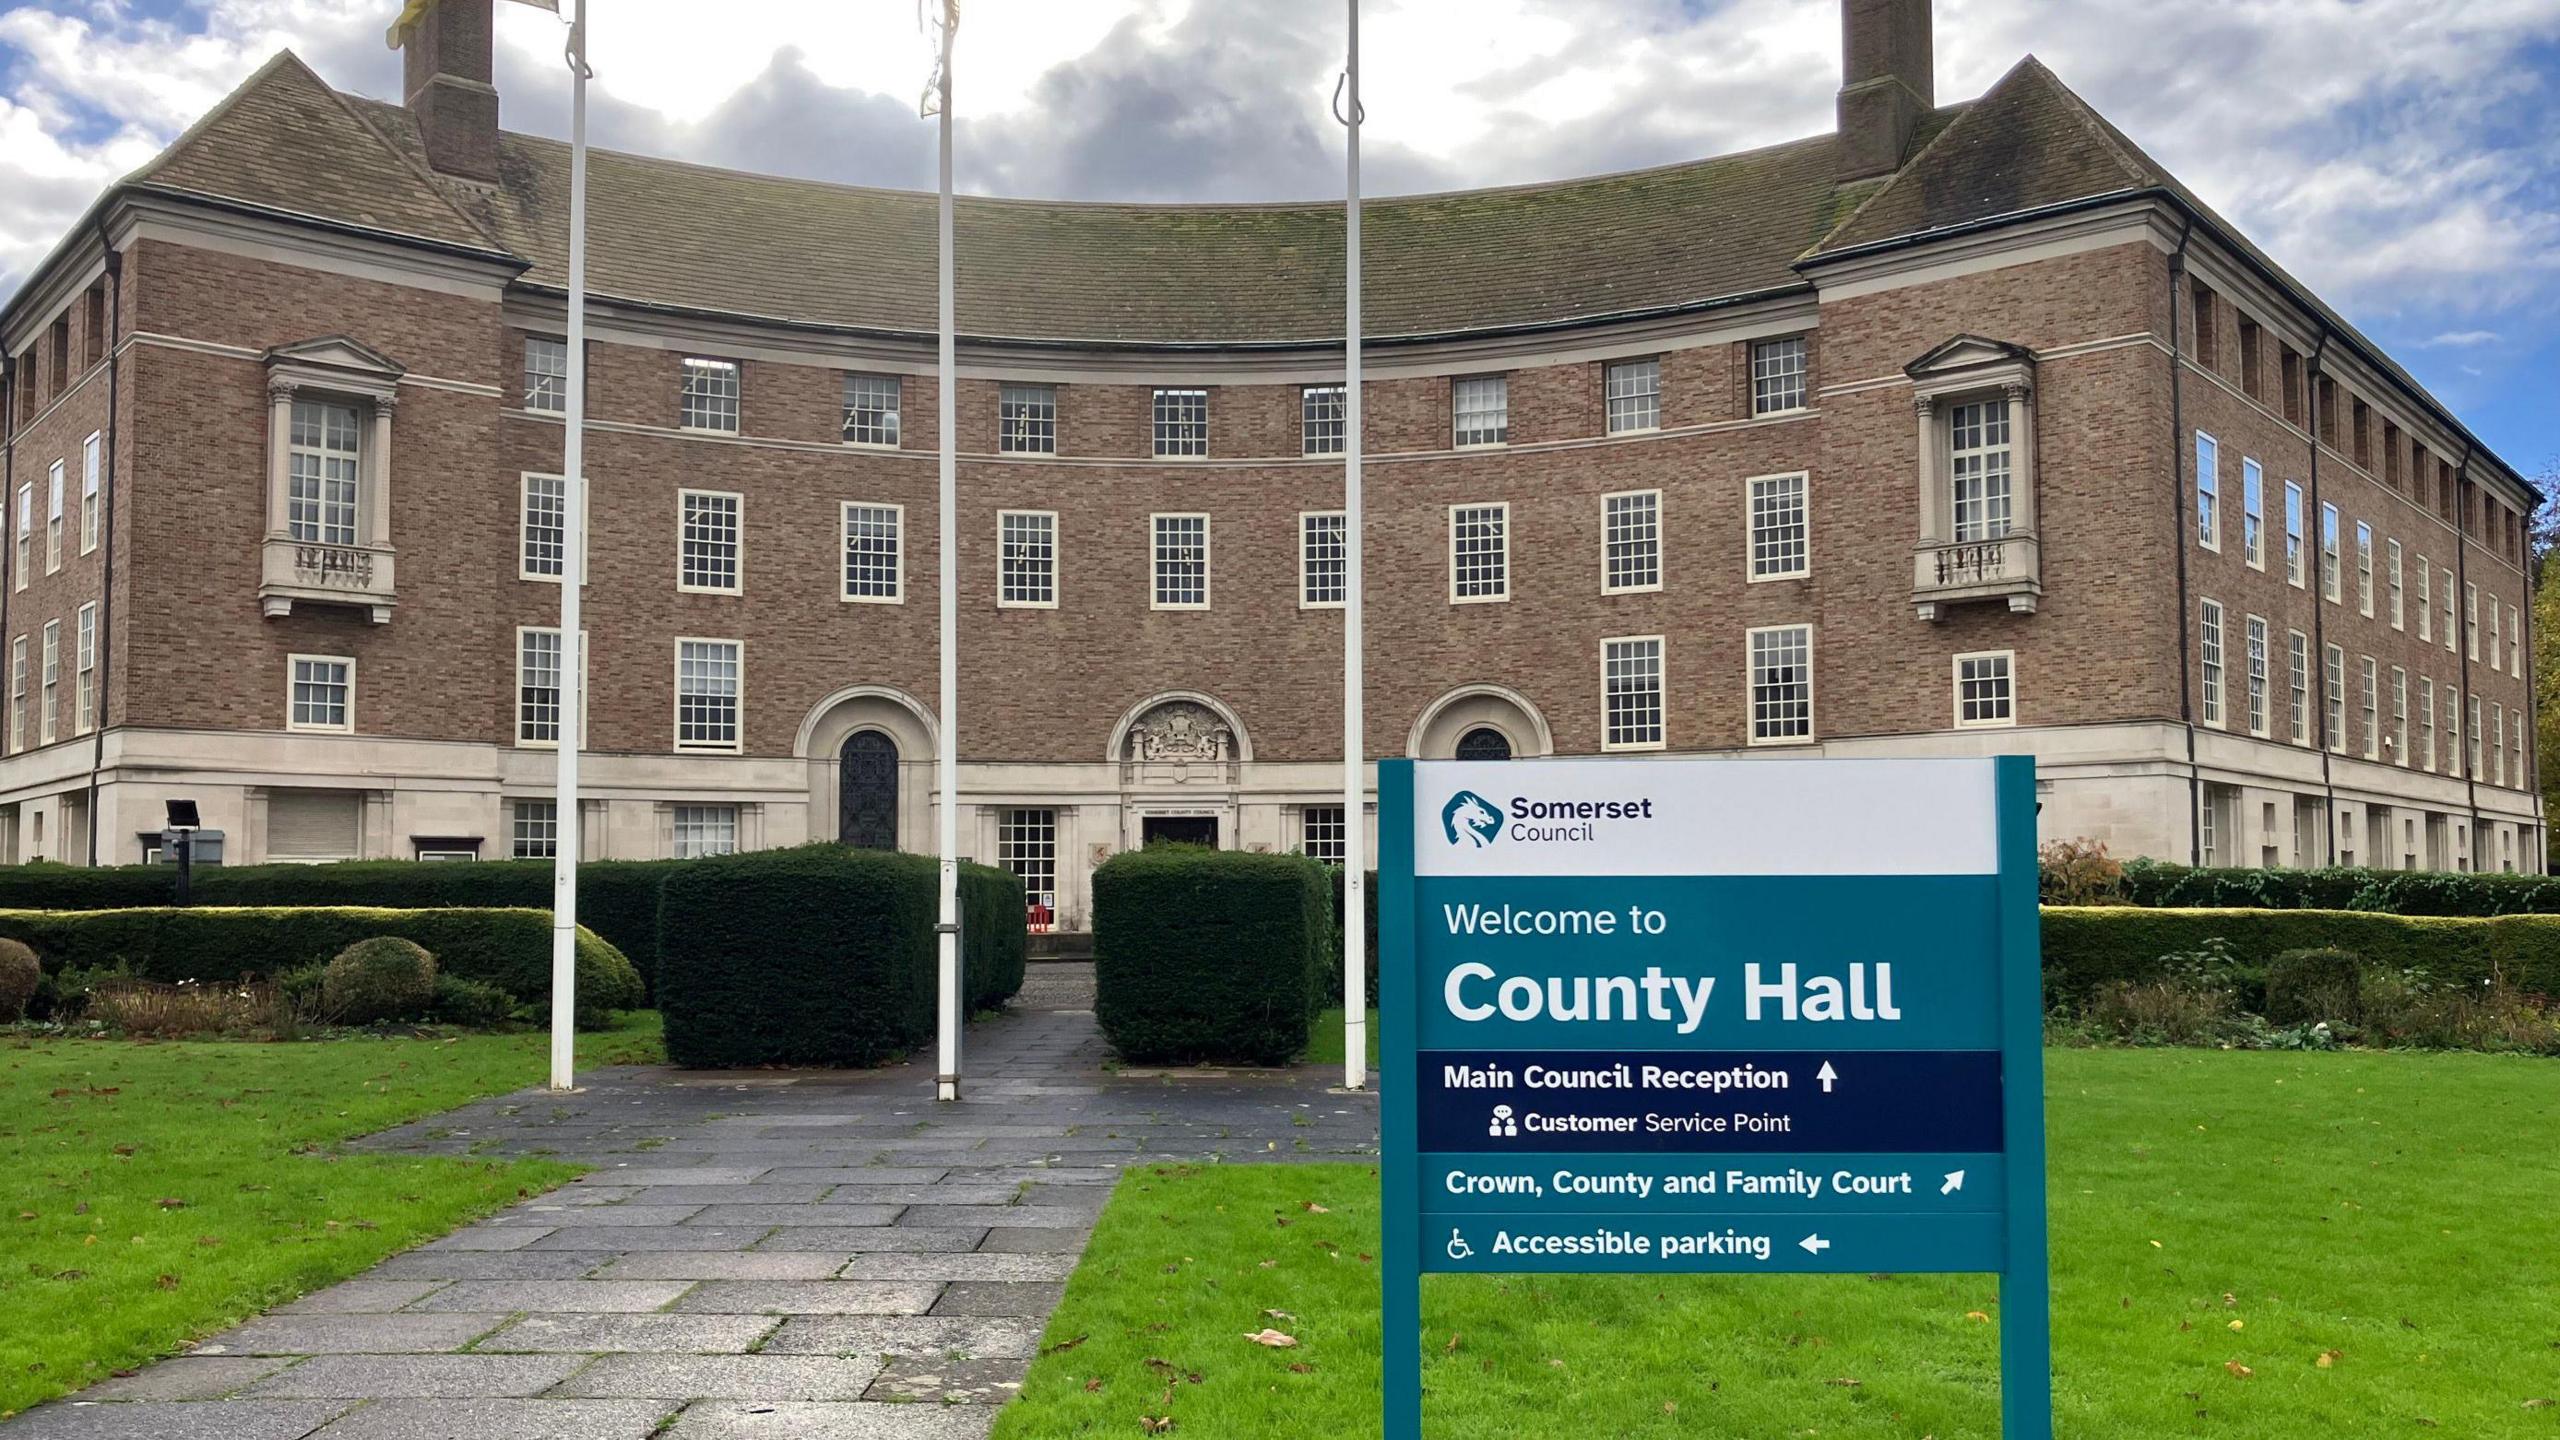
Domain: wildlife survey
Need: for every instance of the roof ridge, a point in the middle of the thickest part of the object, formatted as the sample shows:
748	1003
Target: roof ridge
1964	113
424	175
221	108
2138	165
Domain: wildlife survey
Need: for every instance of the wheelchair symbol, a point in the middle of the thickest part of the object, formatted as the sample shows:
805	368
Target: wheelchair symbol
1459	1249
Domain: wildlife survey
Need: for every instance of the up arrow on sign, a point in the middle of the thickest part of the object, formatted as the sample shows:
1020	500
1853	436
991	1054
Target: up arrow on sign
1826	1075
1814	1244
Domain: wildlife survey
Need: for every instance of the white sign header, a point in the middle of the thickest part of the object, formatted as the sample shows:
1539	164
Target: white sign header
1705	817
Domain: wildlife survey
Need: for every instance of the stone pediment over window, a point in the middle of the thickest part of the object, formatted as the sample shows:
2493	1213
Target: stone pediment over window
1976	484
328	534
335	362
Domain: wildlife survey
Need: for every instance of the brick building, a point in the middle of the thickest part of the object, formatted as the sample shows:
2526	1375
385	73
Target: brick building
1966	429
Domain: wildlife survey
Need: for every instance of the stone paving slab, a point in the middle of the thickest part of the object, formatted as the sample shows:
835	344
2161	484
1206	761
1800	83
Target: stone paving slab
362	1297
1036	1240
941	1380
733	1377
1034	1298
807	1297
402	1334
188	1377
623	1215
727	1265
489	1265
488	1237
852	1421
859	1174
418	1377
657	1174
951	1194
980	1265
996	1336
560	1297
757	1193
648	1334
654	1237
195	1420
499	1420
772	1215
875	1239
994	1216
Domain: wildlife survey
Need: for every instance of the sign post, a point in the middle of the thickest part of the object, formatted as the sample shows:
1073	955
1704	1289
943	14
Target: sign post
1676	1016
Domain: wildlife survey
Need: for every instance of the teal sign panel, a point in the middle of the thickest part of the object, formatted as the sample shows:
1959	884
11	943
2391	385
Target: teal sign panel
1690	1016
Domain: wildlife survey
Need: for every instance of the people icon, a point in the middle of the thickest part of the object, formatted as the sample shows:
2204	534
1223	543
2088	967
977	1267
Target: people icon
1459	1249
1503	1126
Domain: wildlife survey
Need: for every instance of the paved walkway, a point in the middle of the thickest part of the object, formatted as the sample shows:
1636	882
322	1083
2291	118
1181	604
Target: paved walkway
824	1256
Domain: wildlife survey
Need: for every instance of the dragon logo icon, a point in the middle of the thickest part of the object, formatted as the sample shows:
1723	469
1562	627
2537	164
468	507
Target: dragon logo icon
1470	819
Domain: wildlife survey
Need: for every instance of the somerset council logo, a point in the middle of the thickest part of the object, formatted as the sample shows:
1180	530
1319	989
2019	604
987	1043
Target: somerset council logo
1470	819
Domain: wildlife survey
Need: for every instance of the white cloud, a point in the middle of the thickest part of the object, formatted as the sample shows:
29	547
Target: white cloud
2371	145
2461	340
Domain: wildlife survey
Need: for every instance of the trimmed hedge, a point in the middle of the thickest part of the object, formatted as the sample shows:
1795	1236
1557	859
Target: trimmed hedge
2087	949
822	955
2157	885
508	948
1333	936
1209	954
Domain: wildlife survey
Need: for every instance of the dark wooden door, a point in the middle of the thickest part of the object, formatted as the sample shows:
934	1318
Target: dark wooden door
867	791
1179	830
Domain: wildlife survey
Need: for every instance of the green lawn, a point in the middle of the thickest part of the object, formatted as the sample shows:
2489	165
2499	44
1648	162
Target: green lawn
2210	1210
155	1192
1324	1040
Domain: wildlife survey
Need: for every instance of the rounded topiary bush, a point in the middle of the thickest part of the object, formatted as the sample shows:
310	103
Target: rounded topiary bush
386	978
2316	984
471	1003
20	974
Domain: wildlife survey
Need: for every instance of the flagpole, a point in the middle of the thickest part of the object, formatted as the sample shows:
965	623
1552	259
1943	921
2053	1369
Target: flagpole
947	760
573	579
1355	849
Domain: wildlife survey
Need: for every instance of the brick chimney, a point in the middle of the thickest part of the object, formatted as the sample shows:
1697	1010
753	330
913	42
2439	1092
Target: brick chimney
447	60
1887	83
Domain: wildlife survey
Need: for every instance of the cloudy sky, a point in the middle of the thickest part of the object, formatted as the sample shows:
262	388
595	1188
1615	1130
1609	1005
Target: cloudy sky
2399	154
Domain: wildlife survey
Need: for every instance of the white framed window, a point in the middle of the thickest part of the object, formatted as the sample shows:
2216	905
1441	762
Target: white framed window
2364	569
1480	410
1631	693
1324	565
1321	834
2470	621
542	547
18	694
709	677
324	458
2253	513
1479	554
2475	736
2497	743
1781	684
871	410
2209	657
1781	375
1027	559
2329	580
1027	419
1027	845
874	553
2515	643
2333	694
2523	780
2399	592
1979	461
533	829
538	662
707	543
2293	557
89	517
47	699
1781	540
2253	658
2426	601
705	830
2208	491
2369	705
53	517
1631	396
2399	716
1181	424
2427	723
320	692
1181	557
1985	685
1322	417
26	534
1631	541
709	398
2298	673
546	375
2444	584
84	669
2452	730
2496	650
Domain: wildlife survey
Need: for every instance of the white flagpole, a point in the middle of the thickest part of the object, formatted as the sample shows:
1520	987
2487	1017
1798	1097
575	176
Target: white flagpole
947	761
573	578
1355	848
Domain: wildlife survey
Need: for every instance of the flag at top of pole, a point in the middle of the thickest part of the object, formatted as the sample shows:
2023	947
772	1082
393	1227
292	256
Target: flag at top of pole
937	103
416	10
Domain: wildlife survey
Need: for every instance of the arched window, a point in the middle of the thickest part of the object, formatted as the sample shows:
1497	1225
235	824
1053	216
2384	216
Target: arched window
867	791
1484	743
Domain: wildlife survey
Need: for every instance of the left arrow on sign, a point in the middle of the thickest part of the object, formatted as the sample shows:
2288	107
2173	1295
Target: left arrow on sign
1814	1244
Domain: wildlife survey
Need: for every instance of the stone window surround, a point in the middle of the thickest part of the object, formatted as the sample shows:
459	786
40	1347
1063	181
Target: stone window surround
1932	396
342	372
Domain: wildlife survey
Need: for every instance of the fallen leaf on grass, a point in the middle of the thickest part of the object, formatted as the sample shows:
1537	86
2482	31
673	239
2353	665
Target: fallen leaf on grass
172	1202
1093	1386
2238	1370
1155	1424
2238	1325
1283	1316
1844	1382
2328	1358
1065	1345
1303	1368
1273	1339
168	1282
1977	1317
1313	1208
1452	1347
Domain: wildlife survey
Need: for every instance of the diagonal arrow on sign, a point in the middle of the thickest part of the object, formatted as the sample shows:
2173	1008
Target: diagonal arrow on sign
1955	1182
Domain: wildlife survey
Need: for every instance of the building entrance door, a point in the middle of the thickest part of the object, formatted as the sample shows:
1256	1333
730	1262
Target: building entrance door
867	791
1178	830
